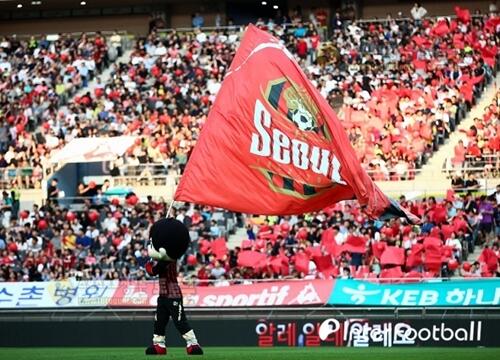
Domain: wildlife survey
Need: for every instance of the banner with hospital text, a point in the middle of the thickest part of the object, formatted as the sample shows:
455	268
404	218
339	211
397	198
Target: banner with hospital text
273	145
56	294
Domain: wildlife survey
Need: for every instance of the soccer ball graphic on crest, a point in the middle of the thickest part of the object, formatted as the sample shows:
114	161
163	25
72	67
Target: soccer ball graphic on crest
302	117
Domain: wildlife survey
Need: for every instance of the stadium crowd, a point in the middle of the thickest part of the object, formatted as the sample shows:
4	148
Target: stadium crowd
109	242
412	81
38	77
479	152
405	87
401	88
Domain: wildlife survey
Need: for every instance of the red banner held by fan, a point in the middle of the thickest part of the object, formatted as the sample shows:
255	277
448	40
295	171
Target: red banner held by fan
393	255
354	244
219	248
272	144
462	14
251	258
302	263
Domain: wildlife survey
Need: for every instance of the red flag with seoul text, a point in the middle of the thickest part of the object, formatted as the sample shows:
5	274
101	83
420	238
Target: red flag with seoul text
272	144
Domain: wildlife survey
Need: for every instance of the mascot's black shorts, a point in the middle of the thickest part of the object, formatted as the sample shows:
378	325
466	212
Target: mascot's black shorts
170	307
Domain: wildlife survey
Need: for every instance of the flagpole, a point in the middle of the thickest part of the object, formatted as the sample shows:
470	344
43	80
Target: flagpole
170	208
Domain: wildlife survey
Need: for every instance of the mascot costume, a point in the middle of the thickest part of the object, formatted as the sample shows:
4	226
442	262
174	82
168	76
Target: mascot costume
169	240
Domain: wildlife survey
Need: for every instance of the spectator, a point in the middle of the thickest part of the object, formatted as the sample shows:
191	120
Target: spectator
418	12
198	21
218	271
471	184
53	190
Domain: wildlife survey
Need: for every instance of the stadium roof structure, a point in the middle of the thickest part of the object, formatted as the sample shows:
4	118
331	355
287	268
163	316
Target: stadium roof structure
84	150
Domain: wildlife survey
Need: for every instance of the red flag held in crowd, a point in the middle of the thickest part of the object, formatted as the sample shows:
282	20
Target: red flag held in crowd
489	257
392	273
251	258
324	265
393	255
272	144
441	28
415	256
302	263
329	243
378	248
219	248
462	14
355	244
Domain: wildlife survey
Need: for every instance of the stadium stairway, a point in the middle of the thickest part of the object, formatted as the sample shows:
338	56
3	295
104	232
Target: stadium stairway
433	170
432	180
235	239
105	76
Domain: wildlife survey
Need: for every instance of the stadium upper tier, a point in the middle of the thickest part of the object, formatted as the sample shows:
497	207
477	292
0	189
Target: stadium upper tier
399	87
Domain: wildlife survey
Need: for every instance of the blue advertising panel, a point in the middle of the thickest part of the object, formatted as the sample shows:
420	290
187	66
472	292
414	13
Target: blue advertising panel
484	292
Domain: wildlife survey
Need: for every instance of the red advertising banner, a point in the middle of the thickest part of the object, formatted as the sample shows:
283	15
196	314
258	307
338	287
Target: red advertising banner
283	293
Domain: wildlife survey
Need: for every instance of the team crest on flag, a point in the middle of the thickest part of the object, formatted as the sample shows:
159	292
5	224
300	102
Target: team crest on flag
272	145
296	113
298	106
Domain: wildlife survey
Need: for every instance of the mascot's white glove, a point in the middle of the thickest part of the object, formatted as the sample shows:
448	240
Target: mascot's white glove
161	254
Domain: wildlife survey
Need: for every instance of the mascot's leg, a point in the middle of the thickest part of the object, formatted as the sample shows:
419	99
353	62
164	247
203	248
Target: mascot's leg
192	346
161	320
182	325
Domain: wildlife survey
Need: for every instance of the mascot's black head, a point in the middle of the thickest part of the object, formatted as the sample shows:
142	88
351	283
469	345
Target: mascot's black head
169	239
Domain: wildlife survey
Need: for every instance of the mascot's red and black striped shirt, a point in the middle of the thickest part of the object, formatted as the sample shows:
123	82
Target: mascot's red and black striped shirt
169	288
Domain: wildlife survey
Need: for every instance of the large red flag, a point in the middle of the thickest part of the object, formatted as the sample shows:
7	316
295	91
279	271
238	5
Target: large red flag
272	145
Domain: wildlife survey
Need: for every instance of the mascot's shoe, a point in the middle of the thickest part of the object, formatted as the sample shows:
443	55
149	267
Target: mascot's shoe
156	350
194	349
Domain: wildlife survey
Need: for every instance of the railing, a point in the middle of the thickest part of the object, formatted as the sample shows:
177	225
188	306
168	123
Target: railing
236	28
393	174
138	180
90	34
485	166
232	28
148	169
158	175
405	18
150	174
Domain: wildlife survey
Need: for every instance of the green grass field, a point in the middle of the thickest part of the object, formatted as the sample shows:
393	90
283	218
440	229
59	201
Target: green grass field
256	353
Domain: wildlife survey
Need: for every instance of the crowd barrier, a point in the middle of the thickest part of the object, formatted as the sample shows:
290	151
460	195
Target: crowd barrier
340	292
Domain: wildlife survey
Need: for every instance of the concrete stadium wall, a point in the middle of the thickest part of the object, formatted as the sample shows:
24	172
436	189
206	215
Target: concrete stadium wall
180	13
380	9
135	24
